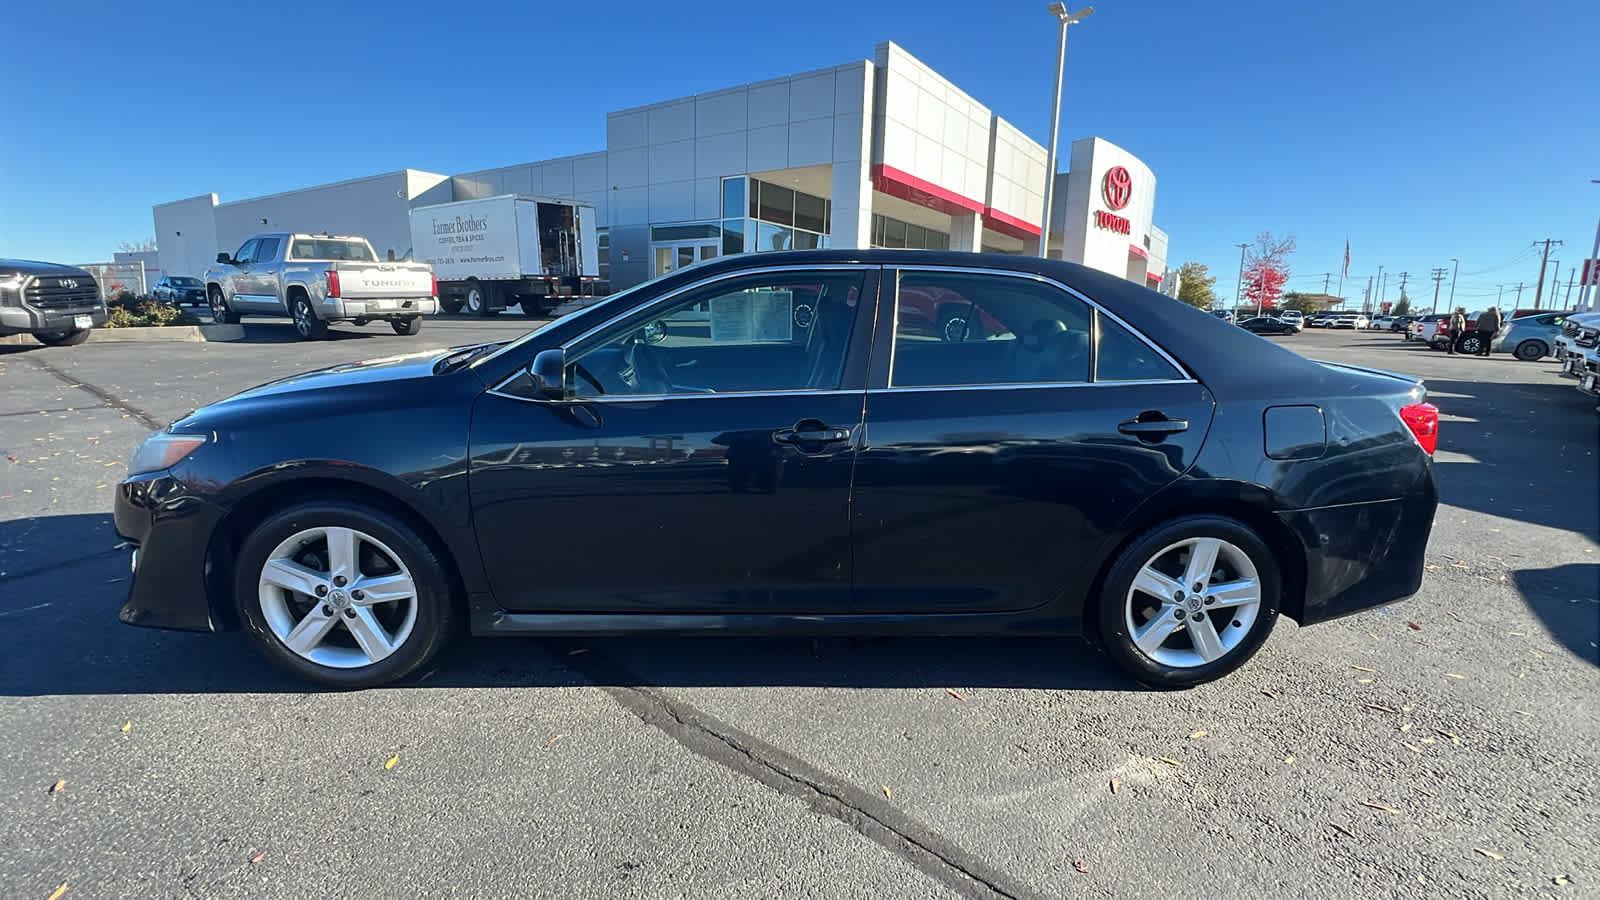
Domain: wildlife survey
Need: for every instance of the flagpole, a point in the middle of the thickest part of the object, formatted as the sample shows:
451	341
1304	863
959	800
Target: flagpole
1343	267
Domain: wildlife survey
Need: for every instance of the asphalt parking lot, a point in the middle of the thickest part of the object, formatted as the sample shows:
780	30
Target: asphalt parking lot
1447	743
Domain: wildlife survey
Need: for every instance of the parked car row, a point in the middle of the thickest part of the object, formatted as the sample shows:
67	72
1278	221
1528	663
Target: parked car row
1577	348
1528	335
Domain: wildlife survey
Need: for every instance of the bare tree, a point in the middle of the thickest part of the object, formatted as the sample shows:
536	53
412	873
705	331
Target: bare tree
1267	269
143	246
1268	248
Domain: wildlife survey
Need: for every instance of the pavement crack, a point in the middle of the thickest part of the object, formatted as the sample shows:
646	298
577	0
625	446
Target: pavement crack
754	758
109	398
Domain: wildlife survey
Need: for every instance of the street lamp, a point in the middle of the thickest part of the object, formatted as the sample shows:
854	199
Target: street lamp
1238	290
1059	10
1591	285
1454	271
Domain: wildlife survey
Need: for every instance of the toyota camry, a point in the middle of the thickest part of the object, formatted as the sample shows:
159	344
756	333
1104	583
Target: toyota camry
779	443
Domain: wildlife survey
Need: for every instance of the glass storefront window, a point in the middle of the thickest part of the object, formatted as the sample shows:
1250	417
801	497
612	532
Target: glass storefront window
773	237
810	213
732	236
687	231
777	204
732	197
807	240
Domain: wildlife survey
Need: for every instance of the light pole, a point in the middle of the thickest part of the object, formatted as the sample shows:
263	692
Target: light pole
1238	290
1059	10
1591	285
1454	271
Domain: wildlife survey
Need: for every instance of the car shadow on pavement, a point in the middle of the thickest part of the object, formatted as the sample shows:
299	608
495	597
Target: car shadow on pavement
1531	452
271	332
63	580
1567	600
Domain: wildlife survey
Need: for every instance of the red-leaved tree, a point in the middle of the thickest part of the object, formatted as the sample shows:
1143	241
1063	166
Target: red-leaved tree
1263	284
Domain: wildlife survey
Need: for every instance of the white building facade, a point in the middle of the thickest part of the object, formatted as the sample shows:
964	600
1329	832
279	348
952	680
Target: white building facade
880	153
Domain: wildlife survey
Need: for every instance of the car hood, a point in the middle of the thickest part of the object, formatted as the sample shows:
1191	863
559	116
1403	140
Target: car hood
34	267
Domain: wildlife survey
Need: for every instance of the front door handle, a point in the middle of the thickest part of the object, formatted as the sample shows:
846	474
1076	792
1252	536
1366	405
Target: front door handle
1153	427
811	435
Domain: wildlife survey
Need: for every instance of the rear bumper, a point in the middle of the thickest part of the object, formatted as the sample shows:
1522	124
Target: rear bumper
1362	555
31	320
171	529
337	309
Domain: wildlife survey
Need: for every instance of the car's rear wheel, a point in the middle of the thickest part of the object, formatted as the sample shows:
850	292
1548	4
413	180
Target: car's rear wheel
343	595
535	307
1530	351
1471	345
62	338
408	326
1188	601
476	302
306	323
450	305
220	313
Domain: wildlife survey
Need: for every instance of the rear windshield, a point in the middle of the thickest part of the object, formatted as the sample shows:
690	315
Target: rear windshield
330	248
186	282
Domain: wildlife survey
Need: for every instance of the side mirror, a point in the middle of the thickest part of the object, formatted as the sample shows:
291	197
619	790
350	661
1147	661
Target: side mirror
224	259
654	332
548	371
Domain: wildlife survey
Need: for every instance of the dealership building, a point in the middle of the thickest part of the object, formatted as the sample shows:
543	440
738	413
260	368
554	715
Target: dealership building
880	153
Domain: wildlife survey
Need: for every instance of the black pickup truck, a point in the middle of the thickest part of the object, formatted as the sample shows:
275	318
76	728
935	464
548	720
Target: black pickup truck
56	304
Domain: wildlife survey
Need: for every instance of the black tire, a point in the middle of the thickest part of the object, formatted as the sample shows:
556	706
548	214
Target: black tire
62	338
1532	351
1471	345
220	313
306	323
536	307
450	305
435	601
1109	613
477	301
407	326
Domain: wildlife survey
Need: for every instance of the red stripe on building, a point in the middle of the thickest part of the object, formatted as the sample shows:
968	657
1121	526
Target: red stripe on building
1138	251
1006	223
908	187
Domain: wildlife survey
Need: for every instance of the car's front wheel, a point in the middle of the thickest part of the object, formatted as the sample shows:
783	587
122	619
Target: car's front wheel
343	595
1188	601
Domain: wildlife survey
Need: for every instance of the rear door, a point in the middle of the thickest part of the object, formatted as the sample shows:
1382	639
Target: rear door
995	465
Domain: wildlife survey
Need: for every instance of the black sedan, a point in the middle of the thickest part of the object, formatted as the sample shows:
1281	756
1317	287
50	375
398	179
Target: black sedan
1269	325
180	290
759	444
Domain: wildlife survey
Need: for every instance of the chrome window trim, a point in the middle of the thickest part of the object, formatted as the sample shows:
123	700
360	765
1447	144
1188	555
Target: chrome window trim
1042	385
1188	377
762	270
657	398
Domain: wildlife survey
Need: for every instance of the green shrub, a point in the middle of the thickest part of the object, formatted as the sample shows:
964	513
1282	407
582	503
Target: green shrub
129	311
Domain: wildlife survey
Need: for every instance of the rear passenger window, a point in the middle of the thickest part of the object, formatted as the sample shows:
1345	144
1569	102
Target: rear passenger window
1122	357
956	329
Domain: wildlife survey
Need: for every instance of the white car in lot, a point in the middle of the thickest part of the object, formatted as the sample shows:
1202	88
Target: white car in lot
1349	320
1575	345
1382	323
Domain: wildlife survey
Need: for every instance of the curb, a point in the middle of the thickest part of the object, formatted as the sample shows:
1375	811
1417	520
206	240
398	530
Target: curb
171	333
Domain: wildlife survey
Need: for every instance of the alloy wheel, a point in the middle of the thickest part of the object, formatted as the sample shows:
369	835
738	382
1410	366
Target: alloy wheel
1193	602
955	329
219	308
302	318
337	597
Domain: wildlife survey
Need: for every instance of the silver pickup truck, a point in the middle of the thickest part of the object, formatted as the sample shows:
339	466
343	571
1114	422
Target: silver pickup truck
316	279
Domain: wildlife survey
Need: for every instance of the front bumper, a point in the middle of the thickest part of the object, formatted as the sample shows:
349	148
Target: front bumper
337	309
171	530
32	320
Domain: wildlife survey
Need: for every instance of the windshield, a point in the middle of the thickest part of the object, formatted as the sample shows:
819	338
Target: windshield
186	282
331	248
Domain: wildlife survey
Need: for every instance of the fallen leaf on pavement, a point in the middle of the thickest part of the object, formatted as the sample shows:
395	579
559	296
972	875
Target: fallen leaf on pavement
1561	881
1363	681
127	726
1454	675
1363	669
956	694
1081	866
1269	693
1342	830
1406	727
888	794
258	857
56	788
1288	760
1489	853
1408	707
1412	747
1517	633
1453	739
56	894
1116	785
1373	804
1413	626
554	739
1422	879
1196	735
1380	707
1429	741
391	763
1170	761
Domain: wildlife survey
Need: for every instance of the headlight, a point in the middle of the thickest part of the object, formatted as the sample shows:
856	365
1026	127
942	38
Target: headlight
12	280
163	451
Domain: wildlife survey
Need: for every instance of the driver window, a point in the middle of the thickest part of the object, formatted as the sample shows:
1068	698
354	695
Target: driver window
245	252
783	332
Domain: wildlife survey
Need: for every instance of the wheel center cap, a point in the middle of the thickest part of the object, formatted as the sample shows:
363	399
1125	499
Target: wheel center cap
338	599
1195	603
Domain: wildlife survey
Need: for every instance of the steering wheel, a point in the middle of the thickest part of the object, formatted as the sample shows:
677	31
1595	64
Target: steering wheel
650	375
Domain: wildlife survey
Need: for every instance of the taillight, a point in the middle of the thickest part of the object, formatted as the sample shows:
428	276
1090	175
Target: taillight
333	283
1423	420
435	279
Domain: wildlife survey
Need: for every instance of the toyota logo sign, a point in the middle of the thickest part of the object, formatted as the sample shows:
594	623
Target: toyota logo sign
1117	187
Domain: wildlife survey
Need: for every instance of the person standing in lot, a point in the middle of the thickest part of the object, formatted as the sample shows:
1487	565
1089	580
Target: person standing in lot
1488	324
1458	328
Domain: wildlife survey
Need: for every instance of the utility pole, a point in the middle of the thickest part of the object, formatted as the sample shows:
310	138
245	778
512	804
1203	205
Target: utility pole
1519	293
1572	278
1238	291
1456	270
1403	277
1498	296
1368	307
1327	278
1555	279
1438	279
1366	296
1538	290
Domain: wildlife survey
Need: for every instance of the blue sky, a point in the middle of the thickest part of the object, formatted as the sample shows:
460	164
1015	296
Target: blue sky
1419	130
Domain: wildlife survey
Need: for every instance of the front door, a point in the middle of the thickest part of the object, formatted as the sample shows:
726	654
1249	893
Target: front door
1015	429
676	255
702	463
260	279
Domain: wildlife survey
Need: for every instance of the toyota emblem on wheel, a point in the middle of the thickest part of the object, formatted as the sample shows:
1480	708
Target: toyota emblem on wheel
1117	187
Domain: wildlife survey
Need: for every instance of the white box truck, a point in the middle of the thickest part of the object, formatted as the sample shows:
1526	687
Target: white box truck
498	252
